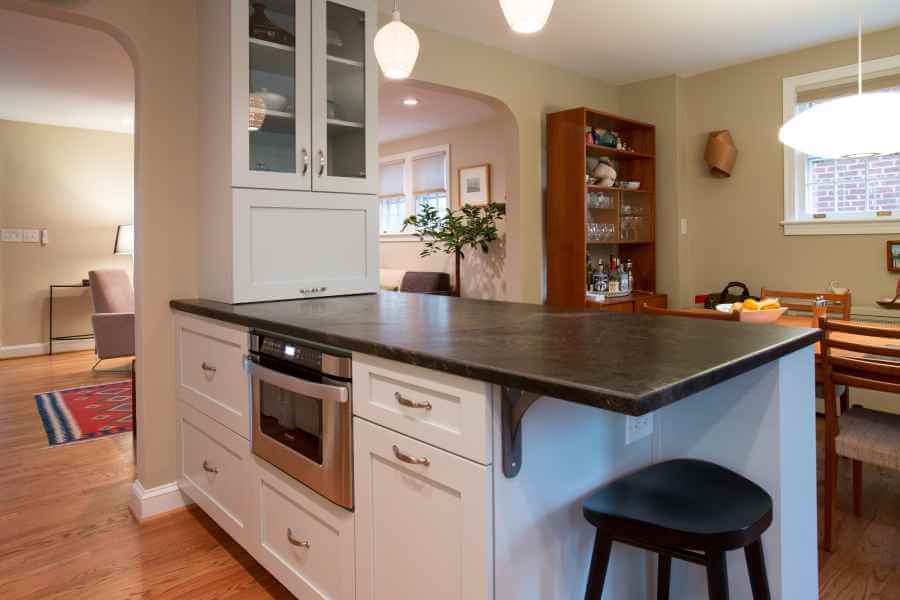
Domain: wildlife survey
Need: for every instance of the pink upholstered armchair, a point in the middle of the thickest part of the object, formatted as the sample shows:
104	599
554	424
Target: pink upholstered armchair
113	319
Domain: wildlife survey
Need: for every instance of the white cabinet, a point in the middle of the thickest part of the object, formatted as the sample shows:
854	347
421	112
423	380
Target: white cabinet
423	520
303	539
297	90
288	154
210	373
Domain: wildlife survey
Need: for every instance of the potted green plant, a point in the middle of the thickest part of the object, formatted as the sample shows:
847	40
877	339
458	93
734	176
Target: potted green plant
452	233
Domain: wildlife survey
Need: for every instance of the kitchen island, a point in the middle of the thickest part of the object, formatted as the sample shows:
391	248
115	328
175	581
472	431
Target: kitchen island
554	388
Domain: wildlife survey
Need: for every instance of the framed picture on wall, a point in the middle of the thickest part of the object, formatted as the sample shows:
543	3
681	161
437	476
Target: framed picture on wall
475	185
893	256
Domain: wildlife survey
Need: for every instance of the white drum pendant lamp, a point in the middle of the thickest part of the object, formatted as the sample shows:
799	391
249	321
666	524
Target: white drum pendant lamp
396	47
526	16
850	127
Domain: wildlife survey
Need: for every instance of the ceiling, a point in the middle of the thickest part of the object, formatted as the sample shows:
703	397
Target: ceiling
60	74
438	108
622	42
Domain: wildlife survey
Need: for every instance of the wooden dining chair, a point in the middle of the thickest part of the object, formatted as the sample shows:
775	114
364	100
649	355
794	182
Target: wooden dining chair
859	358
839	306
712	315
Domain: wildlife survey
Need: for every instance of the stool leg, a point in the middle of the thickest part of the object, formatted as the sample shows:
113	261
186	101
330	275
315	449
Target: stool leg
664	577
756	567
717	575
599	562
857	488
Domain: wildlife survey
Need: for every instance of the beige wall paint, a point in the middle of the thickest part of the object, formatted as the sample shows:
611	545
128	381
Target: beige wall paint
161	39
493	142
78	184
733	223
530	90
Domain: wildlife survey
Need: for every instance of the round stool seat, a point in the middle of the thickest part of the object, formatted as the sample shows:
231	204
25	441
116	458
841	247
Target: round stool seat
686	503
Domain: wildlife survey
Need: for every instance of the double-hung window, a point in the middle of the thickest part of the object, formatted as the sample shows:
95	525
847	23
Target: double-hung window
410	180
844	195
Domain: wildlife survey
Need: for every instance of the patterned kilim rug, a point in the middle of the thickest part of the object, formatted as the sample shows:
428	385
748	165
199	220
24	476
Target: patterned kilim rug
85	413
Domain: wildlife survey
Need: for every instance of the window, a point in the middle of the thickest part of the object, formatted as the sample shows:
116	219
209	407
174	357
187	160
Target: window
840	196
409	180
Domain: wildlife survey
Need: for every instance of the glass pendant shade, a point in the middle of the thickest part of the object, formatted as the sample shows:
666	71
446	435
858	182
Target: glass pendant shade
526	16
852	126
257	112
396	48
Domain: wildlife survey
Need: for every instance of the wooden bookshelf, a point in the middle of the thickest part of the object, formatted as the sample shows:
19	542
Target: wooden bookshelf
633	212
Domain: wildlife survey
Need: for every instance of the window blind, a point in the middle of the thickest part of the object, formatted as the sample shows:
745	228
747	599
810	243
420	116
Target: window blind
391	180
430	174
873	83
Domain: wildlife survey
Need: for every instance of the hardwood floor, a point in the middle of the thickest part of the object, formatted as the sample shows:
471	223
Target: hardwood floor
65	527
66	532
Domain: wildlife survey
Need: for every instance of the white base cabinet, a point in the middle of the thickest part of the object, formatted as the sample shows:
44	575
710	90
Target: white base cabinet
423	520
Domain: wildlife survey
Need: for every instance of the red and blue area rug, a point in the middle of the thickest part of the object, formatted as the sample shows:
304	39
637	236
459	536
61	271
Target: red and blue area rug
86	413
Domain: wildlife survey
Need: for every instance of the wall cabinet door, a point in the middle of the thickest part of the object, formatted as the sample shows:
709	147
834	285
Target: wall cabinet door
271	83
344	96
424	529
292	245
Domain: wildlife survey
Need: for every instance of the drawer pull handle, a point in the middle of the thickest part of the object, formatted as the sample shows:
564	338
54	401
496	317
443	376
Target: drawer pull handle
411	403
208	468
295	542
410	459
207	367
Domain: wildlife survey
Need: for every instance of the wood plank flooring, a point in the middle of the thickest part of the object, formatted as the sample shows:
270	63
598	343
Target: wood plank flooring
65	527
66	532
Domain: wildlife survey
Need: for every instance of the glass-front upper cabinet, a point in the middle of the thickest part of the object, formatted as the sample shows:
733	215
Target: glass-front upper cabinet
271	43
345	96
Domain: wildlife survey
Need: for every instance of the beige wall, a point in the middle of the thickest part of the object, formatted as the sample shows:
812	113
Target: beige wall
78	184
161	39
530	90
493	142
733	224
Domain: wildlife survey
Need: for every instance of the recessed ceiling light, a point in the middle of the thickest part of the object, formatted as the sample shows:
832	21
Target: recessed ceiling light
410	102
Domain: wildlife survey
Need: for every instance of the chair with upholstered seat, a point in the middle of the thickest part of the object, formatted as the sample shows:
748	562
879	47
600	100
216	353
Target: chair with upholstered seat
859	358
113	320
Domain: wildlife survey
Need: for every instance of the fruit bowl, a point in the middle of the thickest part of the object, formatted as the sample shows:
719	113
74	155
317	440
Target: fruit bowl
762	316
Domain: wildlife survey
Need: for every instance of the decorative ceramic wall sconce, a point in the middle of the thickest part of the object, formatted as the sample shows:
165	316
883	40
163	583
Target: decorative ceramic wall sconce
721	153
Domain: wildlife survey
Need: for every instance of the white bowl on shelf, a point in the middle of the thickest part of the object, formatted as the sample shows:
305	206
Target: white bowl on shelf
274	101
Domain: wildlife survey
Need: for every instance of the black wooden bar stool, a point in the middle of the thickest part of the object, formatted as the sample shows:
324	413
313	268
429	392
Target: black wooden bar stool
686	509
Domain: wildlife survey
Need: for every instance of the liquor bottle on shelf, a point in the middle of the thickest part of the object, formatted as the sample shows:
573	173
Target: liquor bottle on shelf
602	277
630	273
615	280
589	274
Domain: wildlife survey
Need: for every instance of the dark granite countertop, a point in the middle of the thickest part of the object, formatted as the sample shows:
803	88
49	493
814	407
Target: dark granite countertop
626	363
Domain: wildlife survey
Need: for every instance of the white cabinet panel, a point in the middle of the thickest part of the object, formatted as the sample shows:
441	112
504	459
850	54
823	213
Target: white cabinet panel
304	245
303	539
213	469
447	411
210	370
423	530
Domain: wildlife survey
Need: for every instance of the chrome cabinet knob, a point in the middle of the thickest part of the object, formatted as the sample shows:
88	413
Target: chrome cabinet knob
305	161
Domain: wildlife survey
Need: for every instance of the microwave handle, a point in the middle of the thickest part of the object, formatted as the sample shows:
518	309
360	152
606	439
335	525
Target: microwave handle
332	393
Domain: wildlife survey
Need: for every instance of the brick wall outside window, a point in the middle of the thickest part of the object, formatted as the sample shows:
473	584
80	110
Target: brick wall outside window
853	184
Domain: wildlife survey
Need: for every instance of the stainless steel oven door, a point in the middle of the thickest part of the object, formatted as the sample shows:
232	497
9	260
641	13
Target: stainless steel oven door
303	427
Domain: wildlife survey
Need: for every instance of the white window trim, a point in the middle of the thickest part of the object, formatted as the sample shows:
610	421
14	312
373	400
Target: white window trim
794	177
407	159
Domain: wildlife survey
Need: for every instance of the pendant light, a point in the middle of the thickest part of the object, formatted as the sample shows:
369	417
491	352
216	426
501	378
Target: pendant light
526	16
396	47
850	127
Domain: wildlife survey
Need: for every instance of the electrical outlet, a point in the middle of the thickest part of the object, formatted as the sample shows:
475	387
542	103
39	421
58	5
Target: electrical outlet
684	227
10	235
637	428
31	236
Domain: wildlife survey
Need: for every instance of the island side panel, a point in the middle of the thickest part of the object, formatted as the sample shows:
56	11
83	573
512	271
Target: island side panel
542	543
762	425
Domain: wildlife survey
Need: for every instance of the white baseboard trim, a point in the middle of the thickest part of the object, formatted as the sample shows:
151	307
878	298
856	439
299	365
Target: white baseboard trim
146	503
44	348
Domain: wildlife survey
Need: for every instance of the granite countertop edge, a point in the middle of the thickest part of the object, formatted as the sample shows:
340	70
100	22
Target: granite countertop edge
557	388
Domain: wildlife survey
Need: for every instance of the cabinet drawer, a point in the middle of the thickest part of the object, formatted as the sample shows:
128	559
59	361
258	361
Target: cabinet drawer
450	412
210	371
213	469
304	540
424	530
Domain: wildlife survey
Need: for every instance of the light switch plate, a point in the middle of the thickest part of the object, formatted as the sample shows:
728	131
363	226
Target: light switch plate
10	235
31	236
